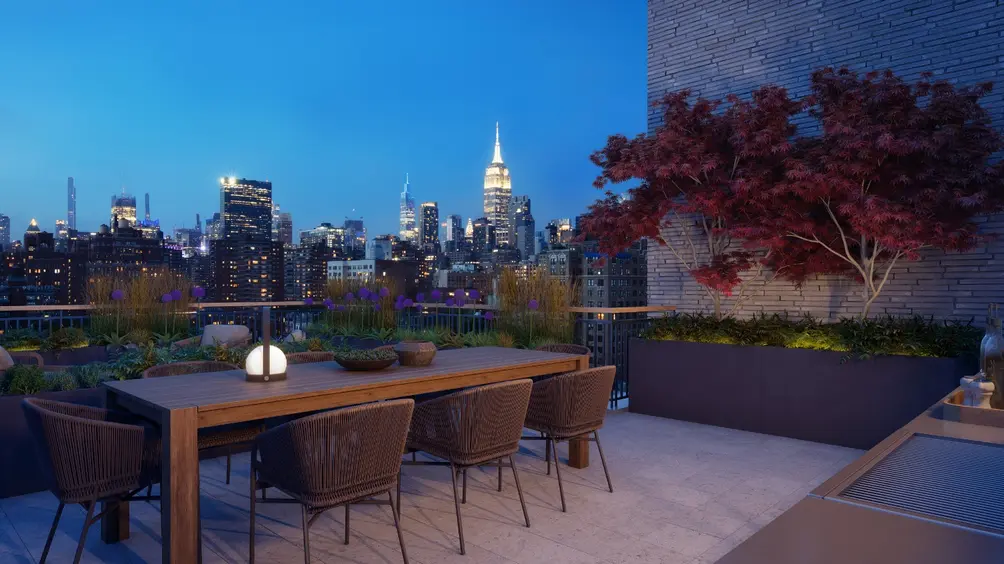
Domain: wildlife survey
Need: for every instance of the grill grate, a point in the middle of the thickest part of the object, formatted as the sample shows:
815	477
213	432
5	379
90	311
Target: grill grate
938	477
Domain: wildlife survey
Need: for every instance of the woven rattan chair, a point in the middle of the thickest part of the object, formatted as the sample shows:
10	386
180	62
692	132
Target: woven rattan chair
340	457
212	437
565	348
309	357
569	406
474	427
90	456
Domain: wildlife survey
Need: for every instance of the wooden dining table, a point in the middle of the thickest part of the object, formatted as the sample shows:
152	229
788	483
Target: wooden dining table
182	405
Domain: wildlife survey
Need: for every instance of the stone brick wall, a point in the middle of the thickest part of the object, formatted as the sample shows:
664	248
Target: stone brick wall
717	47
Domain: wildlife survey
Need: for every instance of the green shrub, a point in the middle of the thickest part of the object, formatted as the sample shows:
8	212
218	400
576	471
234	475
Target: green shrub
61	382
65	338
914	336
20	340
90	375
23	379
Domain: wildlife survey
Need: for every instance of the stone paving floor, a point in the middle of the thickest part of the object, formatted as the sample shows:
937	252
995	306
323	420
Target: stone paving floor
683	493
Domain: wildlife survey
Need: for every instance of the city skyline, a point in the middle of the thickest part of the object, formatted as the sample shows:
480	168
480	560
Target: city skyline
142	113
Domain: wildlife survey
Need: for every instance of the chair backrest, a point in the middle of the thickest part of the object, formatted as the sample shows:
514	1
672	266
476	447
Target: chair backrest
309	356
193	367
566	348
479	423
338	451
576	402
6	360
229	335
84	453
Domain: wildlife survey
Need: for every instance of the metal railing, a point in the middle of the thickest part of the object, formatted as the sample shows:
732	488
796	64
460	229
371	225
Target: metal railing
605	331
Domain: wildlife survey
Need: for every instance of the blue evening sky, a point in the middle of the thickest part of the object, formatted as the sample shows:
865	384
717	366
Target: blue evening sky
333	101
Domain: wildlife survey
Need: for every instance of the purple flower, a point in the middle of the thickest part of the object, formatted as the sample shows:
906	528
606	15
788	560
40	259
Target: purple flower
364	292
198	292
308	302
460	299
459	293
349	297
449	302
533	305
489	316
420	297
399	298
384	292
474	294
327	302
341	307
166	298
376	307
117	295
435	295
398	306
374	298
176	295
408	303
331	307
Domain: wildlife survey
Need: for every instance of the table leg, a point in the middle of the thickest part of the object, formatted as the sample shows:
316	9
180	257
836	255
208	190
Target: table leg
578	448
115	522
578	452
179	488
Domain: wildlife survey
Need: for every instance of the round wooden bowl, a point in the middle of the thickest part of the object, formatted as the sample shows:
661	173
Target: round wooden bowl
364	365
415	353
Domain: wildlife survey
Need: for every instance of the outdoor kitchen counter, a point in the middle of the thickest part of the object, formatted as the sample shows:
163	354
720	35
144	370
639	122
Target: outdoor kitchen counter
827	529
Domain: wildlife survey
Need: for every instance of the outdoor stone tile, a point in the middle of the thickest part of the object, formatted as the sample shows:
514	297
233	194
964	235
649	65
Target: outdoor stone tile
681	540
683	492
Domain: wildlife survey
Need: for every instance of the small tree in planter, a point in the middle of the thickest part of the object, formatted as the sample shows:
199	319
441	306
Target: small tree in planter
692	168
897	169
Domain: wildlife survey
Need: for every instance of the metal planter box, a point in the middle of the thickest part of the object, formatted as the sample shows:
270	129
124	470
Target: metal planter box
813	395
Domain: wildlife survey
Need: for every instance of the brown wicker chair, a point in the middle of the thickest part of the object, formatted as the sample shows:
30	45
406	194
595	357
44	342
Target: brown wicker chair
565	348
210	438
309	357
474	427
90	456
568	406
24	357
340	457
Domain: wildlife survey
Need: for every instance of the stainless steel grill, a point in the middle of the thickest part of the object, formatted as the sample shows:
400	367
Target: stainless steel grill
938	477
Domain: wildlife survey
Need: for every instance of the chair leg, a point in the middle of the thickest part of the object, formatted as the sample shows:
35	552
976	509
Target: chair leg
306	534
228	466
500	474
397	525
456	503
557	470
465	487
346	523
52	532
83	533
254	494
398	494
596	435
547	453
519	489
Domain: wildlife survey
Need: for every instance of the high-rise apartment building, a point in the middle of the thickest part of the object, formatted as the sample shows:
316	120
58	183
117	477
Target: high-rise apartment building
454	228
355	235
123	209
71	204
283	231
306	272
559	232
428	226
146	206
246	270
521	226
497	193
484	238
62	235
4	232
246	209
326	234
408	232
214	227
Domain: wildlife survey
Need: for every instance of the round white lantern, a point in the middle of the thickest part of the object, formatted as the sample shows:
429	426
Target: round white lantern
256	369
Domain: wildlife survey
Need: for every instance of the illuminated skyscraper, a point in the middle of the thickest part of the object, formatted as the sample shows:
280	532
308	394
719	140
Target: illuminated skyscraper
454	229
146	206
71	204
408	231
246	209
124	209
521	226
62	236
498	192
4	232
428	228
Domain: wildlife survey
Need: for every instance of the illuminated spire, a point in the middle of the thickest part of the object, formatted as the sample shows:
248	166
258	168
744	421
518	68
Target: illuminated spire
497	159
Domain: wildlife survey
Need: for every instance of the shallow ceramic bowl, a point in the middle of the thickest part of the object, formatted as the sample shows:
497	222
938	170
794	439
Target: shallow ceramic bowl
364	365
415	353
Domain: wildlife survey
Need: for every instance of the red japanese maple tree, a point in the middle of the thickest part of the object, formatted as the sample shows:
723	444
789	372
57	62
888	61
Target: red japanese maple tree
897	168
692	170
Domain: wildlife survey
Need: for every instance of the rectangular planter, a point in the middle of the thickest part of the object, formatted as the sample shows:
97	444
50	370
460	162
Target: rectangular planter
75	357
19	469
813	395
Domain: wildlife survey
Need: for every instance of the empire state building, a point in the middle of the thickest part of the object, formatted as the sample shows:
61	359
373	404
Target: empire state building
498	193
